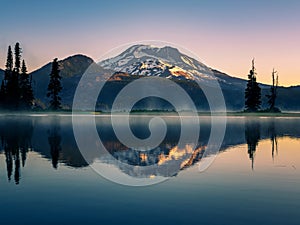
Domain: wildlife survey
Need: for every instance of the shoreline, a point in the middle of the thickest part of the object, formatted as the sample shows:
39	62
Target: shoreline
149	113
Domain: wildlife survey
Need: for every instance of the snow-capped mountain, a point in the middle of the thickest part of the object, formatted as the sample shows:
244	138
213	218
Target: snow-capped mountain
151	61
146	60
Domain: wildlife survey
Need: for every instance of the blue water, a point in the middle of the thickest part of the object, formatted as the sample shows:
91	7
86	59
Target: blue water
235	189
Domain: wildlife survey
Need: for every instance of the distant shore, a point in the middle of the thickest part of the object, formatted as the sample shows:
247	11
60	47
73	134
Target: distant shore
150	113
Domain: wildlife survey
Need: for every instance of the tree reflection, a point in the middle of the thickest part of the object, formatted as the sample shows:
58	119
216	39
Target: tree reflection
54	140
9	163
252	135
273	138
16	141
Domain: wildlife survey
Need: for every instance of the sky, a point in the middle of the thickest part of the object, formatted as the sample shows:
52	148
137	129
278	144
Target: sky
225	35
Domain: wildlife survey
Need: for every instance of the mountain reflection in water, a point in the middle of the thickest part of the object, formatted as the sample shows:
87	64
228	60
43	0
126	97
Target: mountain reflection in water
52	137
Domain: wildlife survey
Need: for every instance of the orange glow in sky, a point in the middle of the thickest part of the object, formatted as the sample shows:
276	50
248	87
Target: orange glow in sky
225	35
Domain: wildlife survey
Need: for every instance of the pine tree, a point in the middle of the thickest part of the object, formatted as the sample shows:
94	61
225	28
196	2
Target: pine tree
7	78
26	93
11	81
252	92
9	61
273	92
54	87
12	86
8	66
16	88
18	52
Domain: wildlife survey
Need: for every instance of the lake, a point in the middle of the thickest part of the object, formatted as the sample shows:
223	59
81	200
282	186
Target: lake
45	178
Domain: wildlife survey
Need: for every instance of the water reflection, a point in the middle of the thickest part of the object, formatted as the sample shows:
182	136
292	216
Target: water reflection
52	137
273	138
16	135
252	136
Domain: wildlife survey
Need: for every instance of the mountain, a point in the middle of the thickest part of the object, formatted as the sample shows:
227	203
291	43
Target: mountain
72	68
144	60
288	98
169	62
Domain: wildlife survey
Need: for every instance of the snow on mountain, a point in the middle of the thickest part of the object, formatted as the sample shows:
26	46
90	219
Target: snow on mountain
166	62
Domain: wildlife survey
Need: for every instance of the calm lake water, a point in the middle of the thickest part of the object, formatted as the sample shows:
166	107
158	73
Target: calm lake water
254	179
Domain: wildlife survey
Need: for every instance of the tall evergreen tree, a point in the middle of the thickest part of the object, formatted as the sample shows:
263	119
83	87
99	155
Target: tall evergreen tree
9	65
11	81
9	61
12	85
273	92
252	92
7	78
16	87
18	52
25	88
54	87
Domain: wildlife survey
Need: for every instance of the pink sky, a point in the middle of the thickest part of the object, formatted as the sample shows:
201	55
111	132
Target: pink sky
225	37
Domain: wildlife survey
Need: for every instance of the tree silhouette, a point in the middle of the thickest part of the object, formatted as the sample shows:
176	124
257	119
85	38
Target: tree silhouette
273	93
12	78
252	92
9	163
17	174
13	88
273	137
54	87
16	140
25	88
252	135
18	52
9	62
8	75
54	140
16	90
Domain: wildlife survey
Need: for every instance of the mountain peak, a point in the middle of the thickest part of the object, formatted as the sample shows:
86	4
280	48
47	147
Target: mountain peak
74	65
77	58
170	50
148	60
